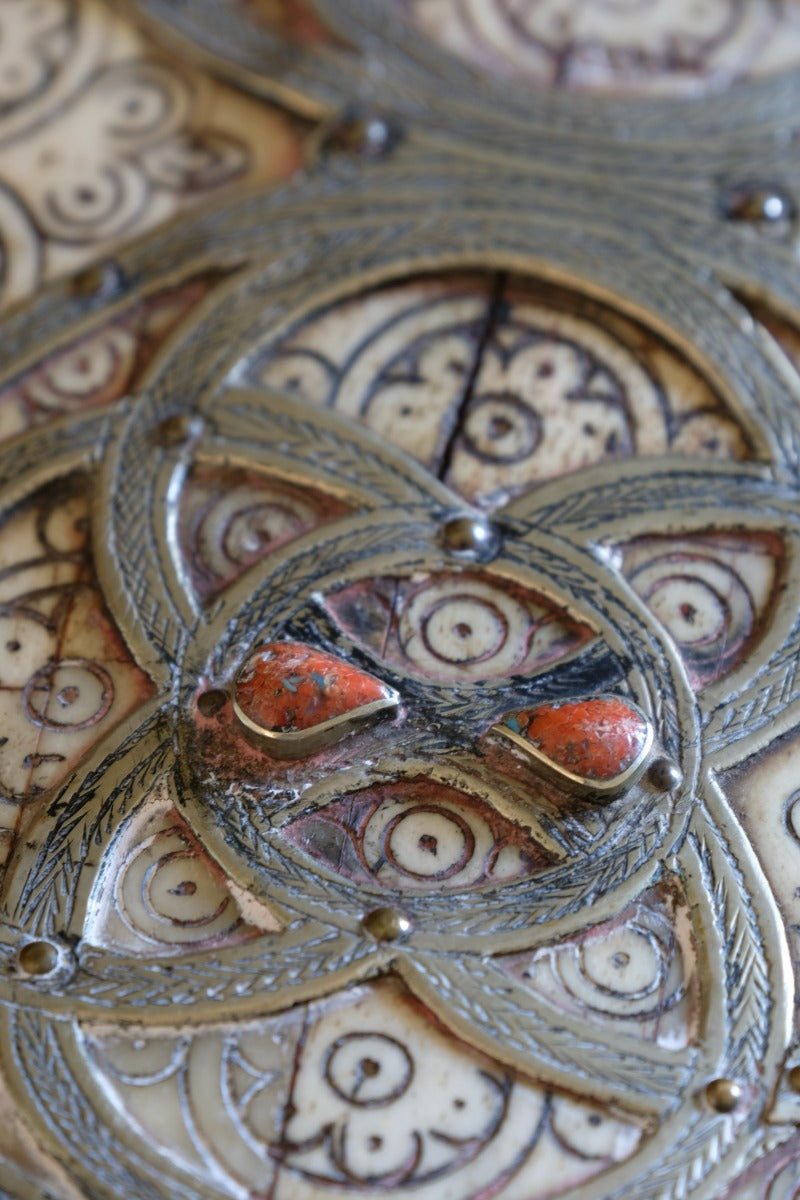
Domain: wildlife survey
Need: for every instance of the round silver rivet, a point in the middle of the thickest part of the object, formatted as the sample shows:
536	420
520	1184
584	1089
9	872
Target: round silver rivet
386	924
472	537
723	1095
664	775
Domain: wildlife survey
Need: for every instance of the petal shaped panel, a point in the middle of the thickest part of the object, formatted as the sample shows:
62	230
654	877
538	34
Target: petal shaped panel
456	628
415	835
231	518
713	594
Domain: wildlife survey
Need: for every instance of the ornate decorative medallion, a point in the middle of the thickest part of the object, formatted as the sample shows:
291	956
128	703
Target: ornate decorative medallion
399	629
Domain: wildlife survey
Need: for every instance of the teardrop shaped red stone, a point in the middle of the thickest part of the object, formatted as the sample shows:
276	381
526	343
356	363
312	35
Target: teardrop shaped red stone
290	688
596	740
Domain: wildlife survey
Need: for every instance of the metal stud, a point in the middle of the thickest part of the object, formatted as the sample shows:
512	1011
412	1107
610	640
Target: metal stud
758	204
100	282
177	430
372	137
474	538
664	775
723	1095
386	924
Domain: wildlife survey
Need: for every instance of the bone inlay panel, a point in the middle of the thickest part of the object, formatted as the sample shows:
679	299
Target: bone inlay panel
648	47
498	386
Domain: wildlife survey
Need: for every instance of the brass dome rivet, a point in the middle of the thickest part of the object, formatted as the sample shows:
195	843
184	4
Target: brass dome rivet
176	430
98	282
723	1095
758	204
475	538
386	924
211	702
378	137
371	137
38	958
664	775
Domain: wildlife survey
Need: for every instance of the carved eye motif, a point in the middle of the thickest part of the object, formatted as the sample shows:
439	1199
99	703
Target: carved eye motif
167	893
637	971
415	836
456	628
230	519
710	594
159	893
